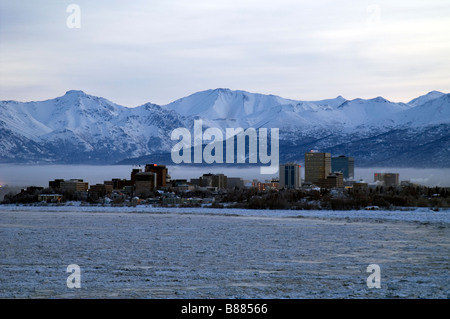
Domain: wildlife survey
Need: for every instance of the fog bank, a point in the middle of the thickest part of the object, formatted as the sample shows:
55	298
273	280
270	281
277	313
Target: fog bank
40	175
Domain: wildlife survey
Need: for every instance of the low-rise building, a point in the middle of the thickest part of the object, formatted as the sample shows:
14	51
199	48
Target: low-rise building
360	186
267	185
119	184
235	183
50	198
218	181
74	186
387	179
56	184
333	180
101	190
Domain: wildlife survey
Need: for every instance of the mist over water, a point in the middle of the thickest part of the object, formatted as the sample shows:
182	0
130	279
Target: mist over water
40	175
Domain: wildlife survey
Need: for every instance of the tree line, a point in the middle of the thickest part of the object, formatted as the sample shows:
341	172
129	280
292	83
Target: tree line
252	198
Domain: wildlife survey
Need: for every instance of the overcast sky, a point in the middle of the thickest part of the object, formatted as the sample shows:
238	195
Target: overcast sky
133	52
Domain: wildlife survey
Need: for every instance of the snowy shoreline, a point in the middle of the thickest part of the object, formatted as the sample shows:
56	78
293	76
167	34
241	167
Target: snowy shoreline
420	214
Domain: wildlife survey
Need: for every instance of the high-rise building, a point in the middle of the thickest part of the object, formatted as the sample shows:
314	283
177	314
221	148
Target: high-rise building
317	166
343	164
161	173
290	176
134	171
388	179
144	182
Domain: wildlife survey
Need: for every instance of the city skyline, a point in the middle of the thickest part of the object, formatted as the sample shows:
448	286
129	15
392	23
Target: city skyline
317	167
38	175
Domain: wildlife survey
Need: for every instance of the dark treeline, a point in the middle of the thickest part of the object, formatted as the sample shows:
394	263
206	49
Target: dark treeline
251	198
347	199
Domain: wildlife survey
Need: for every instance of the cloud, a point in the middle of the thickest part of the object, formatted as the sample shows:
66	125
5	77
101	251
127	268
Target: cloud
140	51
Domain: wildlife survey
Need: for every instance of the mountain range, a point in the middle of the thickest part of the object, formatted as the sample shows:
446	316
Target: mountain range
78	128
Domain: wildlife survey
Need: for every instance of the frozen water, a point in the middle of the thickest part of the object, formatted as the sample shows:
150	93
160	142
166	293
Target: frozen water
424	215
146	252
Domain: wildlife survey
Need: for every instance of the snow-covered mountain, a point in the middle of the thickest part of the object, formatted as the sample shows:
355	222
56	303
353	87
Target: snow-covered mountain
81	128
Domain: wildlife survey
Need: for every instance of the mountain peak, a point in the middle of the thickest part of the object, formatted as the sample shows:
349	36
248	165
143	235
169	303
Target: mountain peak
222	90
75	92
432	95
379	99
434	92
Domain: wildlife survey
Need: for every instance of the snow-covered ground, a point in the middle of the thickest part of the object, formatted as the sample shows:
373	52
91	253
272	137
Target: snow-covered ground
146	252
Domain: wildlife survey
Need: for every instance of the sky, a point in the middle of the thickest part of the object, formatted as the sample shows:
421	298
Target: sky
134	52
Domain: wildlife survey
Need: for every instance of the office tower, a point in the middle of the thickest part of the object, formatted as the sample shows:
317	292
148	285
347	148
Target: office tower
144	182
161	173
133	174
317	166
343	164
290	176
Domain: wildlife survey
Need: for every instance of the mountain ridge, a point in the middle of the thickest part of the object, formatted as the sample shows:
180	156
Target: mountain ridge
82	128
